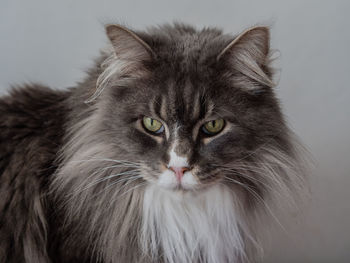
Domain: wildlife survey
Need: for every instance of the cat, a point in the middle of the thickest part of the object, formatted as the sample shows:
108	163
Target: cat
173	149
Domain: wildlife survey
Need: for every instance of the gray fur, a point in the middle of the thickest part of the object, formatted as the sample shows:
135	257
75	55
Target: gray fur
89	207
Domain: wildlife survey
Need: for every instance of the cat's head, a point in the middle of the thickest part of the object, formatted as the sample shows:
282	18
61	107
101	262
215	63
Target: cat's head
191	108
177	112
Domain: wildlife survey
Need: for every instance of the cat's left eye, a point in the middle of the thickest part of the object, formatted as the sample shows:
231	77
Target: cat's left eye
152	125
213	127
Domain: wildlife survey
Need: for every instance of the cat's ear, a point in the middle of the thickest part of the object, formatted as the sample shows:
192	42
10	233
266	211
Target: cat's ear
127	44
126	60
248	54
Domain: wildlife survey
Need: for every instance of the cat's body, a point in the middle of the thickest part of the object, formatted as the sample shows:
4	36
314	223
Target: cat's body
32	121
84	179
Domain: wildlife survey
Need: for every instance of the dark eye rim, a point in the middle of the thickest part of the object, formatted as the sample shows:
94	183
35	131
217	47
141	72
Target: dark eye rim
159	132
211	134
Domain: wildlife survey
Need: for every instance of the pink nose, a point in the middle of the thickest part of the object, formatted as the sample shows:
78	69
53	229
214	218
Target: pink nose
179	171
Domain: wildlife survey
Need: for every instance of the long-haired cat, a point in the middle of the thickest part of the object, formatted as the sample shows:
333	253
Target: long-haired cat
173	149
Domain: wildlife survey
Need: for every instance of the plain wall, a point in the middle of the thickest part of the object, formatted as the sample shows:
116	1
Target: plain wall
53	42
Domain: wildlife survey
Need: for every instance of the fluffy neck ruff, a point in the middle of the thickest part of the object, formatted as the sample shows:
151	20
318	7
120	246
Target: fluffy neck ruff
192	227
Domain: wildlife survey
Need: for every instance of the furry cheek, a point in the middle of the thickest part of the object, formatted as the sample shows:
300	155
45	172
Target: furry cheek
189	181
167	180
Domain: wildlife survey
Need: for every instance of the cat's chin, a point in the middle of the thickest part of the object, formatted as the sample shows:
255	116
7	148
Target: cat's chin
183	188
179	189
176	188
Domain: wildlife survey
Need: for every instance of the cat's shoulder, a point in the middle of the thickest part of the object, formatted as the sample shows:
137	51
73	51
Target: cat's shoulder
31	130
31	116
30	109
31	102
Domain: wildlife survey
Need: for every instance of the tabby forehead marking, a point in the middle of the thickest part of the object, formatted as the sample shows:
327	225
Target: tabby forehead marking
163	111
196	107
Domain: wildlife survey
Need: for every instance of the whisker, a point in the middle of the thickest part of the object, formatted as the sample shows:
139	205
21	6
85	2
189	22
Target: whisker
250	178
259	198
109	177
132	189
269	173
119	195
130	178
106	168
101	180
237	182
107	160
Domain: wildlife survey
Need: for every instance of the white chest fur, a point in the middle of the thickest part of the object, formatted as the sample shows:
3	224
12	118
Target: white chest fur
191	227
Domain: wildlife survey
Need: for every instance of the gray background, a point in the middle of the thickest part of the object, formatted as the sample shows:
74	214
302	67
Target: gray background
54	41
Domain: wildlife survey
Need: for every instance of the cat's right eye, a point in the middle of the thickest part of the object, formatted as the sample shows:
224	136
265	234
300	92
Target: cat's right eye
152	125
213	127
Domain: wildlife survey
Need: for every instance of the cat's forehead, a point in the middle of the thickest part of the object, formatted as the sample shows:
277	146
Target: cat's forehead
184	82
183	97
182	103
184	45
186	75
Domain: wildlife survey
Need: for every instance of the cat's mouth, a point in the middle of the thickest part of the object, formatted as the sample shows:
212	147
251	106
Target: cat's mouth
170	181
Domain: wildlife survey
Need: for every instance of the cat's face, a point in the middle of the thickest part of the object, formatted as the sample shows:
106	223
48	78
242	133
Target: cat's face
185	134
187	120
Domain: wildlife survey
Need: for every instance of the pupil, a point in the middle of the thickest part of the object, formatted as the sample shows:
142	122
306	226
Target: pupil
213	123
151	122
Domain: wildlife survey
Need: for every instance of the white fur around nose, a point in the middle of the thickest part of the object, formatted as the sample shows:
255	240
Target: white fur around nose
191	227
167	179
188	181
176	160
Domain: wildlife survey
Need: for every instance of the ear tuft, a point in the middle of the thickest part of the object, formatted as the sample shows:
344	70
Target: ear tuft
248	54
127	44
126	62
255	41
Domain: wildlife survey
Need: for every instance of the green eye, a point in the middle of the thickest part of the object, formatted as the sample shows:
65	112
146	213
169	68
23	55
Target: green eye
152	125
213	127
